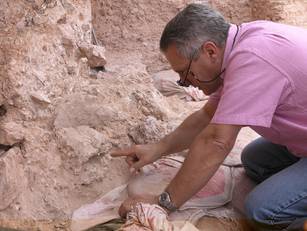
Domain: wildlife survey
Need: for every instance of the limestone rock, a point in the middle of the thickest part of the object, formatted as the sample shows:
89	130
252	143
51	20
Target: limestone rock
95	54
78	110
11	133
40	98
69	46
83	141
151	103
149	131
10	181
39	20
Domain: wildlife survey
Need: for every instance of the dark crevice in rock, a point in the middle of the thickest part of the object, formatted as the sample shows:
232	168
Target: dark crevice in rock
131	138
3	110
97	69
5	148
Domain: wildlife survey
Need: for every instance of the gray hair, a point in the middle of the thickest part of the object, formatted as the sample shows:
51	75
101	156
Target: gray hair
193	26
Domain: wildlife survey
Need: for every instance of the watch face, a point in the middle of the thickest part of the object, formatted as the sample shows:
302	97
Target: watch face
163	197
165	201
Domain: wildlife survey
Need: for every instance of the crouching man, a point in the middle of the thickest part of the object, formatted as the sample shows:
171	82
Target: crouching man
256	76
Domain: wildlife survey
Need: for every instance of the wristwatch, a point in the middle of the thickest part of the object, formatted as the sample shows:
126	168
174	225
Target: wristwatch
166	202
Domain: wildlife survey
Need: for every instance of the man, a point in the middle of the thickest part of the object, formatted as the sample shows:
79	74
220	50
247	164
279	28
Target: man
256	76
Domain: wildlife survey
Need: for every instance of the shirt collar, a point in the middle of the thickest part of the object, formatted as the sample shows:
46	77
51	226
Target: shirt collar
229	43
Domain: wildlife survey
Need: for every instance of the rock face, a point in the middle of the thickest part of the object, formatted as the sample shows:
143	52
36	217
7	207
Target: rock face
50	156
134	27
290	12
94	54
58	124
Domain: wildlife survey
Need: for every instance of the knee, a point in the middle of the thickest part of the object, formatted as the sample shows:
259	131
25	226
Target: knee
252	162
246	155
249	158
252	209
262	215
252	151
256	211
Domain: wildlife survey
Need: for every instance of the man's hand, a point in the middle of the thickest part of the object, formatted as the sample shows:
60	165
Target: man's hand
129	203
138	156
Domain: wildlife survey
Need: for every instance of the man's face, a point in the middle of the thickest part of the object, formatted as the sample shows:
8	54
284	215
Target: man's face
206	67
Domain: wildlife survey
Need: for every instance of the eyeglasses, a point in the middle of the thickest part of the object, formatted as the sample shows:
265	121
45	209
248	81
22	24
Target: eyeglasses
183	83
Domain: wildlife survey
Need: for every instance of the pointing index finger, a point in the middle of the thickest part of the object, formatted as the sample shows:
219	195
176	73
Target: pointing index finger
123	152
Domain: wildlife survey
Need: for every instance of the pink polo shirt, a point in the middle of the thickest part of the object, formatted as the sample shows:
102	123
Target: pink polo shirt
265	83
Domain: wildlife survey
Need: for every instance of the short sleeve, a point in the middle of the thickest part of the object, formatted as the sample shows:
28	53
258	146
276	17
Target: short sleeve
214	98
251	91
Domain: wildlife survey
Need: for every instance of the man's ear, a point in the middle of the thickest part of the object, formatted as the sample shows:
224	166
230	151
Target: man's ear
210	50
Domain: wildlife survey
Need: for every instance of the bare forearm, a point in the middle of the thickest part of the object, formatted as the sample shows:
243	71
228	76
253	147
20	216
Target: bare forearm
182	137
204	158
200	165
